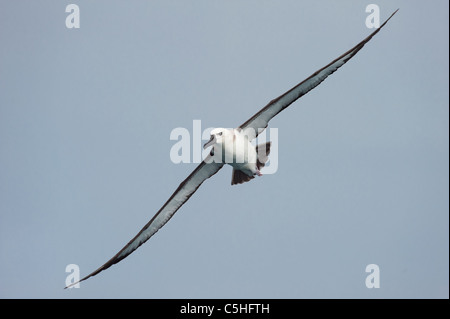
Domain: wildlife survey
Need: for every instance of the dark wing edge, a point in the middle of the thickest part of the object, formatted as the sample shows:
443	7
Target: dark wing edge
258	122
185	190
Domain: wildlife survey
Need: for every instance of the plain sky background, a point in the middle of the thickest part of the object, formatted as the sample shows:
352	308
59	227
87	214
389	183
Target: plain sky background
363	172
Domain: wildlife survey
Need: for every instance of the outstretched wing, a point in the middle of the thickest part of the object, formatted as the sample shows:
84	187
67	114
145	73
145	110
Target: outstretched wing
258	122
205	170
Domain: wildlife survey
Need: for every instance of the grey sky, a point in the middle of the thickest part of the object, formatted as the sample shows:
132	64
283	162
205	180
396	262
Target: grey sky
85	120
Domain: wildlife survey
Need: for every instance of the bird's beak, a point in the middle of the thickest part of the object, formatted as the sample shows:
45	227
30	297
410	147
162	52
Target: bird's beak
210	142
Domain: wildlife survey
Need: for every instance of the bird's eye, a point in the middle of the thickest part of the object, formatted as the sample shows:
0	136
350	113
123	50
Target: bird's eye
220	133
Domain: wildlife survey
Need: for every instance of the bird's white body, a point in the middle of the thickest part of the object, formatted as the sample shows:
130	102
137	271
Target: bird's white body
234	148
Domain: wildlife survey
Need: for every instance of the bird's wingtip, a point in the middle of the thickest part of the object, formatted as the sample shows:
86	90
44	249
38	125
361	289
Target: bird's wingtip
393	14
73	284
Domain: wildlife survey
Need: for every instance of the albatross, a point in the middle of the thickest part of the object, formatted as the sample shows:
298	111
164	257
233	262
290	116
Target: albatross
233	147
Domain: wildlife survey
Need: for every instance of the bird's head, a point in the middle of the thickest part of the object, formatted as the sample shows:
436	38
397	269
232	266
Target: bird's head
218	136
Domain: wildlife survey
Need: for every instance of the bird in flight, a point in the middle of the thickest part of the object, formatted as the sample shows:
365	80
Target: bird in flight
232	147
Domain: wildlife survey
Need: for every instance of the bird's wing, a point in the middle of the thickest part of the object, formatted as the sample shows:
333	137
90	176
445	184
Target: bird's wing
205	170
258	122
